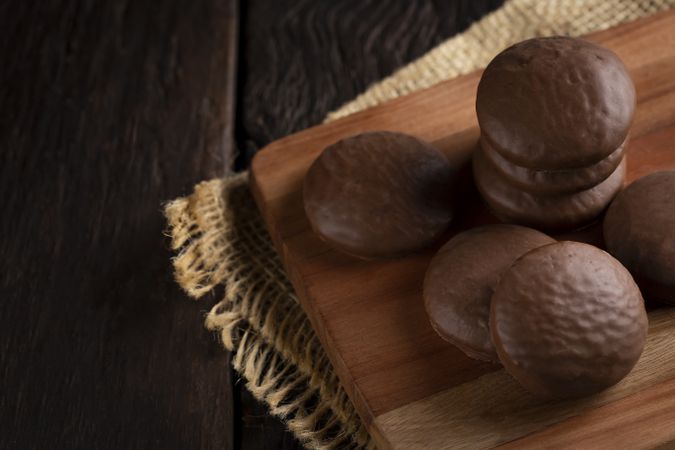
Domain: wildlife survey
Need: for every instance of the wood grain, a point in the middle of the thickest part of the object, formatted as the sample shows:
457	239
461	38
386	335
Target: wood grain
495	408
642	420
109	108
369	315
304	58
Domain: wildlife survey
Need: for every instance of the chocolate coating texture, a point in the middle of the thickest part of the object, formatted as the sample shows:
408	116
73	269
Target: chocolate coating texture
555	103
550	212
553	182
461	279
568	320
639	230
379	194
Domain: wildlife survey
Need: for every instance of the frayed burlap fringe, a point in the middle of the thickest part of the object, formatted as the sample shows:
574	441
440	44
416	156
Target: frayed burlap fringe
220	239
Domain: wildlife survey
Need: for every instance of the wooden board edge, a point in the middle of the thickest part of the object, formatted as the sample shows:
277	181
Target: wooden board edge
615	422
351	121
498	405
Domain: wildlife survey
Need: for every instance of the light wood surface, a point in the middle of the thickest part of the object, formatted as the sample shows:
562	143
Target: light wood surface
411	388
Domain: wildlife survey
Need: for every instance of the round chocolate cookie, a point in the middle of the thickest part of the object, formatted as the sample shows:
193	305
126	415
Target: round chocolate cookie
567	320
553	182
639	230
555	103
461	279
550	212
379	194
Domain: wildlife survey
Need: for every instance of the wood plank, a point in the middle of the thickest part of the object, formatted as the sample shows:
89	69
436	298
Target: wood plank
369	315
494	408
316	55
109	108
644	420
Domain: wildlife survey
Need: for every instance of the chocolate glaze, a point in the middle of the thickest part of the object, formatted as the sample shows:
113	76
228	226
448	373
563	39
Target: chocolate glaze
553	182
562	212
379	194
461	278
555	103
567	320
639	230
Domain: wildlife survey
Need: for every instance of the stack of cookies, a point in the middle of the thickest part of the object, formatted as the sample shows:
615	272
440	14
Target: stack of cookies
554	115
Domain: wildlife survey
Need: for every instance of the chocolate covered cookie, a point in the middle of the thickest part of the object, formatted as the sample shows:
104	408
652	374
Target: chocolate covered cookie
553	182
379	195
567	320
550	212
461	278
555	103
639	230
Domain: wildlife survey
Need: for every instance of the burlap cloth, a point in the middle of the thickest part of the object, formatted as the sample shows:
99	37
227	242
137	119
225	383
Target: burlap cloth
219	237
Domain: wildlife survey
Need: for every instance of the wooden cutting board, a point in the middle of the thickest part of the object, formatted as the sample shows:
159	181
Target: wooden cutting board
412	389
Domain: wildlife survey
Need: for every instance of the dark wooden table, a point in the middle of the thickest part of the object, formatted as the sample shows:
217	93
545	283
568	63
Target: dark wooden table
110	108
